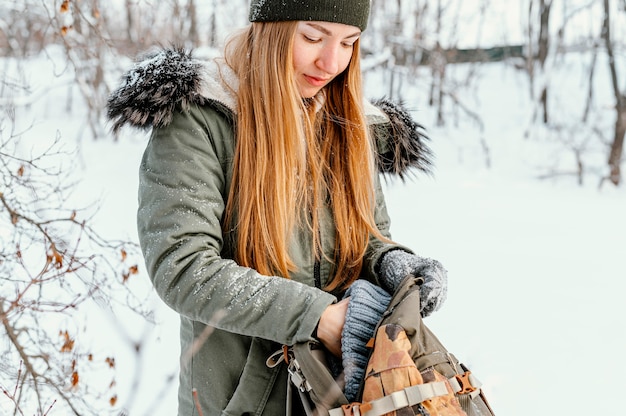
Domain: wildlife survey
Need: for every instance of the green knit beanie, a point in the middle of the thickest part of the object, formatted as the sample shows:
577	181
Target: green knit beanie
349	12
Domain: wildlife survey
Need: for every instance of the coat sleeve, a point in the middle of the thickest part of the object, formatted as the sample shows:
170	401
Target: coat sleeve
399	146
377	248
182	196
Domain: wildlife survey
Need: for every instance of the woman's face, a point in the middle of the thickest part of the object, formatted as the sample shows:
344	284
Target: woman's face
321	51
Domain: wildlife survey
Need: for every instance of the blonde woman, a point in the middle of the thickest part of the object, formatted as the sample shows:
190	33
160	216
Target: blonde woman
260	203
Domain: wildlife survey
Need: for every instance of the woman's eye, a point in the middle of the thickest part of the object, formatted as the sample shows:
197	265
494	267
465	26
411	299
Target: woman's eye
310	39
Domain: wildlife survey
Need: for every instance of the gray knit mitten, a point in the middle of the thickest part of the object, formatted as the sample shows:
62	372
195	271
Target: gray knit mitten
367	304
397	264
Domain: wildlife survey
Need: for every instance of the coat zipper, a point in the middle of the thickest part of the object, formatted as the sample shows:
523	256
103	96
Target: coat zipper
317	273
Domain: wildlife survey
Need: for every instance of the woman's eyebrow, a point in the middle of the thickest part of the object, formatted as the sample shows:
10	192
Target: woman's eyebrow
328	32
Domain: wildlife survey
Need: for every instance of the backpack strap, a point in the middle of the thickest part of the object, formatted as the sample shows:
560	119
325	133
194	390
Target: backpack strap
435	358
461	383
309	376
407	397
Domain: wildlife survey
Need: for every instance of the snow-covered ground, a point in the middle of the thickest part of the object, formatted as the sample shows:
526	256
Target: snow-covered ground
536	268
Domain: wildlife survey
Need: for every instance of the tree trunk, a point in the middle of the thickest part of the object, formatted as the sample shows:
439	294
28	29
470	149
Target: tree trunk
530	54
193	25
617	146
129	21
543	48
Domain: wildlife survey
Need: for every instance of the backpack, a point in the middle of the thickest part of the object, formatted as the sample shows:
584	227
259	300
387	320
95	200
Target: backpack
409	371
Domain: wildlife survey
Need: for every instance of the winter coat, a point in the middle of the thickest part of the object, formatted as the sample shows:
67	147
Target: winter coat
231	318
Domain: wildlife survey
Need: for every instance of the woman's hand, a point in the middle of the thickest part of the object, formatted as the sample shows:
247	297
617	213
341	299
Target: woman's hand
331	324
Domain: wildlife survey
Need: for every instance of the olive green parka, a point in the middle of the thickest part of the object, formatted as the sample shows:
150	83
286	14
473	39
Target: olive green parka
231	317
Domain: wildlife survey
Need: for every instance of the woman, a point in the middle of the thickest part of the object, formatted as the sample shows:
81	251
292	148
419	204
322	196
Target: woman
260	202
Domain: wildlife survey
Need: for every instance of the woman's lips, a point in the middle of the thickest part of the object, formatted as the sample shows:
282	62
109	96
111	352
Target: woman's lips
317	82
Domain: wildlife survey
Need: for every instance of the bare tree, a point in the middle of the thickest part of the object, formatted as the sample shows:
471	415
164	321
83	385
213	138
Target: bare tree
51	263
438	68
538	50
548	54
77	27
130	20
617	145
194	33
543	48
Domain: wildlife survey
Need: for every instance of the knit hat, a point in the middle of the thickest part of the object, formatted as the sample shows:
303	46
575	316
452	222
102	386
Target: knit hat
349	12
367	305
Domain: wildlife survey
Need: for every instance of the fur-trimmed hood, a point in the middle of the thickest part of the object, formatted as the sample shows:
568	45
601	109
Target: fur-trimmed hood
164	82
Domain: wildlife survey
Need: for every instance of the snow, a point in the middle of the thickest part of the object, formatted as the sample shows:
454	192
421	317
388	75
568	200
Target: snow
536	267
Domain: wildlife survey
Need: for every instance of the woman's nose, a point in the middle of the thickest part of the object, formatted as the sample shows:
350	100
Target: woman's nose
328	59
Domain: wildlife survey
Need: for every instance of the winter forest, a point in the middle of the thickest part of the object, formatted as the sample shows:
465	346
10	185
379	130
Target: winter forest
525	105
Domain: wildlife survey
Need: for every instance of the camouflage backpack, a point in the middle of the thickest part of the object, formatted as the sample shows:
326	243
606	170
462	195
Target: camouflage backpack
409	372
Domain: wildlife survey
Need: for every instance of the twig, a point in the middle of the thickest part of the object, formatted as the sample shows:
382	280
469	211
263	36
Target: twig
196	401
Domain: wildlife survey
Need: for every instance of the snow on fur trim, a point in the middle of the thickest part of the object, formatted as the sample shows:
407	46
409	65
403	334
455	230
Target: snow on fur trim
404	144
154	88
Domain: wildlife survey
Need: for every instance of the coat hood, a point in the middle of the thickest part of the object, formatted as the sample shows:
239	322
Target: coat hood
170	80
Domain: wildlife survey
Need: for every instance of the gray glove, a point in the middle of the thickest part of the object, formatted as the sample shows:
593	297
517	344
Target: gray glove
397	264
366	307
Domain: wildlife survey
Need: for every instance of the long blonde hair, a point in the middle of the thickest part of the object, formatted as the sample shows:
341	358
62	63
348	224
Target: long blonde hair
291	154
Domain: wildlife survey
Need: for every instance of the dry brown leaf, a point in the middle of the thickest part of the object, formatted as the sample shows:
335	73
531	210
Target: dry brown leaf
68	342
74	378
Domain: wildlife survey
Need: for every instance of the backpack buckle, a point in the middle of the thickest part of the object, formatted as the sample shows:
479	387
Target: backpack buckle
465	383
297	376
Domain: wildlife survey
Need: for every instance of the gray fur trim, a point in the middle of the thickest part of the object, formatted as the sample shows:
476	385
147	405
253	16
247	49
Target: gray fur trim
155	88
404	145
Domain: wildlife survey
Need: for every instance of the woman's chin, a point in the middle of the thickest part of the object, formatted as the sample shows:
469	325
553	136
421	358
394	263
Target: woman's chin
307	90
